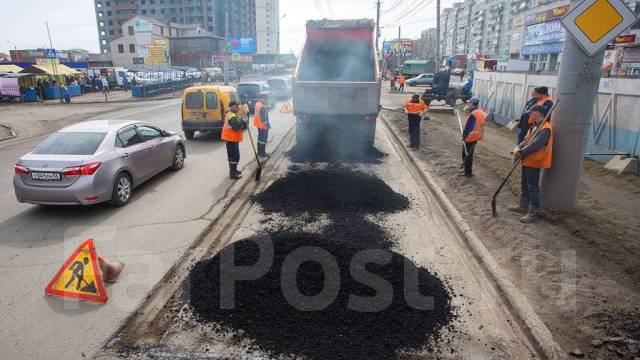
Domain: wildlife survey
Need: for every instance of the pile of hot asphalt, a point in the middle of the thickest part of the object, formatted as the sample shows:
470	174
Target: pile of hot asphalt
366	300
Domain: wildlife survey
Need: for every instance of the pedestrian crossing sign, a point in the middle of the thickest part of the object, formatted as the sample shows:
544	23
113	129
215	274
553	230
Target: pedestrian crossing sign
79	278
286	108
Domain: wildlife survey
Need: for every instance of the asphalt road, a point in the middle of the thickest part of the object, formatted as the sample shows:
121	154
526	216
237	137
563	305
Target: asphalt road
164	217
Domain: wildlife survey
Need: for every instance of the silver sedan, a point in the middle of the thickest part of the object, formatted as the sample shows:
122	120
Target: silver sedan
96	161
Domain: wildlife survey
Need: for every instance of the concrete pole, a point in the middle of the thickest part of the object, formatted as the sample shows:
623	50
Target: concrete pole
437	36
577	88
225	53
377	27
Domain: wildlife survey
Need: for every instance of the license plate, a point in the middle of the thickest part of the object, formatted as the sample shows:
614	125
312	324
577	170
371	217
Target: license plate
196	116
45	176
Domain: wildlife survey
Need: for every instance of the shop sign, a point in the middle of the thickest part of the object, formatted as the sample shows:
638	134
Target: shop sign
544	33
631	55
625	39
554	48
138	61
551	14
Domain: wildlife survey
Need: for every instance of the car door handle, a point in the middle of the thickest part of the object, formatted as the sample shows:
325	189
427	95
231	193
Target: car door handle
125	156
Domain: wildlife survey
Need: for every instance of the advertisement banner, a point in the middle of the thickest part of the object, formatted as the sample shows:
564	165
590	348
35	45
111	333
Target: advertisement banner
9	87
551	14
157	52
631	55
398	48
143	30
241	45
625	39
554	48
544	33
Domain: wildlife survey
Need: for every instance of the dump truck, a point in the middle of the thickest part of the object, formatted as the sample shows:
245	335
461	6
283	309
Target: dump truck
336	84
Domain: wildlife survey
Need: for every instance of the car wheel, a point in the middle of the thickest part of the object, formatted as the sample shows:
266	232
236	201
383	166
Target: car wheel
189	134
122	190
178	158
451	99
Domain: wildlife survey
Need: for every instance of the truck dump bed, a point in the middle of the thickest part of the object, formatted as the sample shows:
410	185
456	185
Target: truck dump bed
337	72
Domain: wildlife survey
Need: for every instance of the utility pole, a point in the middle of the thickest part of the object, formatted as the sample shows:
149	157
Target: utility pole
400	46
577	88
437	35
225	52
377	27
53	64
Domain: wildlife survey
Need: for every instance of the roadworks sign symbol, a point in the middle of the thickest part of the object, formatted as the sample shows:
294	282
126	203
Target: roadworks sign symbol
286	108
79	277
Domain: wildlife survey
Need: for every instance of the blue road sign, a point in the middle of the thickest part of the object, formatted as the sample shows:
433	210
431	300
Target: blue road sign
50	53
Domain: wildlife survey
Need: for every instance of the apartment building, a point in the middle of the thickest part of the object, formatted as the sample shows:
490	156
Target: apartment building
268	26
425	47
112	14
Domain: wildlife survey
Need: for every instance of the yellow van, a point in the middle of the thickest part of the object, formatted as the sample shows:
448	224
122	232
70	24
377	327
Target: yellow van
204	107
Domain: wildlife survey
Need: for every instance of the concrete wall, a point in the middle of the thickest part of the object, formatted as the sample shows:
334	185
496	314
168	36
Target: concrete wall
616	121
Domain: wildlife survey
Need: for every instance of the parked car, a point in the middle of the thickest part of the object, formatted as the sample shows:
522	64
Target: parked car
280	87
422	79
96	161
251	92
204	108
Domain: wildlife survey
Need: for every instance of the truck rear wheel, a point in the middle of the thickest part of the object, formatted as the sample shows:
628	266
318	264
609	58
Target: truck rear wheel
451	98
189	134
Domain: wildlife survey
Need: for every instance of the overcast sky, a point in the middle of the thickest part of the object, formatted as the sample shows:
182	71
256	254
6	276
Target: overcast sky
73	22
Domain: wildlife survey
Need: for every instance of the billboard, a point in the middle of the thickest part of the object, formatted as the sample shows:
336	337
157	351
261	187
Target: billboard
551	14
544	33
157	52
241	45
398	48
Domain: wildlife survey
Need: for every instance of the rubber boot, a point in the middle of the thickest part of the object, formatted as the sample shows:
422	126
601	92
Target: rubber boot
521	208
233	172
532	215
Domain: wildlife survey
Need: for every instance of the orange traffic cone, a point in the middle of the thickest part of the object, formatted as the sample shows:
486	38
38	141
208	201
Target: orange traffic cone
110	270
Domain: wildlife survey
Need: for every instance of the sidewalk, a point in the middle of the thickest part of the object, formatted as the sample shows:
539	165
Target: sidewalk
580	270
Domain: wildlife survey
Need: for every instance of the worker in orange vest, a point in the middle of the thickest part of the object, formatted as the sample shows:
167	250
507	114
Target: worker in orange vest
401	81
539	96
232	135
472	133
261	121
415	108
536	153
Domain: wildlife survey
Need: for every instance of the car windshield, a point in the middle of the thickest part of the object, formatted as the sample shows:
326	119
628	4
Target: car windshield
276	84
193	100
70	143
248	89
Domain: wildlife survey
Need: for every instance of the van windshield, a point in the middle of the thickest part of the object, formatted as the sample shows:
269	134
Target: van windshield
193	100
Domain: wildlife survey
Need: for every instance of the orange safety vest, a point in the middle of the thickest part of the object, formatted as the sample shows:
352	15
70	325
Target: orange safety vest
257	119
540	159
401	80
228	134
541	101
477	133
415	107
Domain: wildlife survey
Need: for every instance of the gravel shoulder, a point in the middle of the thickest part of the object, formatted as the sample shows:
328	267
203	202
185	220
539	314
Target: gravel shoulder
579	270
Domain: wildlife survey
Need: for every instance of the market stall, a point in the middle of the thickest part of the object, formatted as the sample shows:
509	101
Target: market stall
52	80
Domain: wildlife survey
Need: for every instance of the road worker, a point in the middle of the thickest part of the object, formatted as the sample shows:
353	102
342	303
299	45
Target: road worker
232	135
401	81
472	133
535	151
539	96
415	108
261	122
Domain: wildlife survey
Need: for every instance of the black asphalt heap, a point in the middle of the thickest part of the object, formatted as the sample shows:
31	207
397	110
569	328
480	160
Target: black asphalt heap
263	313
328	191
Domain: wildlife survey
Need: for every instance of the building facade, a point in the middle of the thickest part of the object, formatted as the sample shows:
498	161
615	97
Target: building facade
426	45
268	26
210	14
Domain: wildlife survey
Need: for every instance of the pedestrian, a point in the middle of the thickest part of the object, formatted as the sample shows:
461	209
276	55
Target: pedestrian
415	108
105	85
536	153
125	83
472	133
539	96
401	81
232	135
462	75
261	121
392	79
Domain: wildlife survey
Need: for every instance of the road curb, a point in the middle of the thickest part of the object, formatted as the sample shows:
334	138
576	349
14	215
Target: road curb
537	330
12	133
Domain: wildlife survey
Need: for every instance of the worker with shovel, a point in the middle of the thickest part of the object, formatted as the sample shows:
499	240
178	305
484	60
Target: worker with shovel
414	108
232	135
261	121
535	152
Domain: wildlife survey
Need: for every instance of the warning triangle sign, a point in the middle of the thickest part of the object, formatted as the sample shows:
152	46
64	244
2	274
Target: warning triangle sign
286	108
79	277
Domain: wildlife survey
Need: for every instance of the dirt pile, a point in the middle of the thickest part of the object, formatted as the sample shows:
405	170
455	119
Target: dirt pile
263	314
329	191
321	151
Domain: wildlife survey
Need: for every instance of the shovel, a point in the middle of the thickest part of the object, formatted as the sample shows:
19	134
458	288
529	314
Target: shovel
255	153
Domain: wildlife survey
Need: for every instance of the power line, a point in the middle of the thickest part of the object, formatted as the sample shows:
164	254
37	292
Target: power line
407	14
